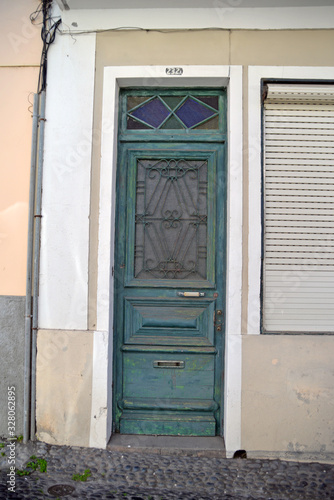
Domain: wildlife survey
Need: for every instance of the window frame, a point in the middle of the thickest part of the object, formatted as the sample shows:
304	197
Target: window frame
257	75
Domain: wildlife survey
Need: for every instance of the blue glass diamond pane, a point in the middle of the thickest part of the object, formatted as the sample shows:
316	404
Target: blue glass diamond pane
191	113
153	113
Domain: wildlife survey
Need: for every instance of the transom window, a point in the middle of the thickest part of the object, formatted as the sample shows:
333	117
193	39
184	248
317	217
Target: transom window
167	110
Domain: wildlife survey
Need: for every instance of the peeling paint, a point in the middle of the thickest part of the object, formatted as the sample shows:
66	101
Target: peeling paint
308	394
102	412
296	447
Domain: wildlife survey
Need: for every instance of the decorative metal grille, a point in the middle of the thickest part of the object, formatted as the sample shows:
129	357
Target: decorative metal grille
171	219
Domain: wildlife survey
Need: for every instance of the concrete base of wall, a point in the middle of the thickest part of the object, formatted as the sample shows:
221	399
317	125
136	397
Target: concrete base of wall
64	386
12	359
287	397
320	457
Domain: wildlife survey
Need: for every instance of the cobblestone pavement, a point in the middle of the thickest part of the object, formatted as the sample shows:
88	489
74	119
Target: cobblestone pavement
133	476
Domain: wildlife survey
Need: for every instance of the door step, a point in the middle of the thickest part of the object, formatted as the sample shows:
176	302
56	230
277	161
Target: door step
168	445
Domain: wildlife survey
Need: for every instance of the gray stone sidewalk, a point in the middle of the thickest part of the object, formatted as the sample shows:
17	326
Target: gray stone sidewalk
145	476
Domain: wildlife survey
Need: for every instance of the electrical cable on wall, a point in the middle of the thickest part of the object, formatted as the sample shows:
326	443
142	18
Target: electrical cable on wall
48	35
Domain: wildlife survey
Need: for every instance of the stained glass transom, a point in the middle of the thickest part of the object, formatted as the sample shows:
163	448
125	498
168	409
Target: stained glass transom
172	112
171	219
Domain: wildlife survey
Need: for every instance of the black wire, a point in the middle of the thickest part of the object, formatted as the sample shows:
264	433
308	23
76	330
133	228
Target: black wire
36	13
48	35
166	31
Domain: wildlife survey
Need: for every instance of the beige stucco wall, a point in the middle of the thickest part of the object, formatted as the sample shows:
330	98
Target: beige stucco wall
287	381
20	49
288	396
248	47
282	47
64	386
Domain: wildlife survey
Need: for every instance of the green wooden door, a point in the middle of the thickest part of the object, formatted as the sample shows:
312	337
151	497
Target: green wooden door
169	268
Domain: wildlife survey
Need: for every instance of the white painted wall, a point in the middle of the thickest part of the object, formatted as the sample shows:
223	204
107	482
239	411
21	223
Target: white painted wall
101	409
66	184
188	4
223	15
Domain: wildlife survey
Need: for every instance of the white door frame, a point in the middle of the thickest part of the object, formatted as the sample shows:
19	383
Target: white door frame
146	76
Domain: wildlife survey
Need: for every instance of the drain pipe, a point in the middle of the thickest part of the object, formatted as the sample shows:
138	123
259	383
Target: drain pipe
49	29
28	304
37	217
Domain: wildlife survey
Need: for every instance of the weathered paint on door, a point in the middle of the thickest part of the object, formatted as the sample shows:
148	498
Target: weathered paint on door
169	268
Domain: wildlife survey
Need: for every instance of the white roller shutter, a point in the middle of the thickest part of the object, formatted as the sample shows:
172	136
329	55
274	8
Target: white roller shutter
298	265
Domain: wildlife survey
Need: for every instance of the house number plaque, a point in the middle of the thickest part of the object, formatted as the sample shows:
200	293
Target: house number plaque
174	71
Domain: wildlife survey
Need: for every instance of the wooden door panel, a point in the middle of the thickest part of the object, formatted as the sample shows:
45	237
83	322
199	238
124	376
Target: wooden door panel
170	400
170	263
170	250
168	321
192	377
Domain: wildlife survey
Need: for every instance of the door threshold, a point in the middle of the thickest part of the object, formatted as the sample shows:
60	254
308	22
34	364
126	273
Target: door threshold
168	445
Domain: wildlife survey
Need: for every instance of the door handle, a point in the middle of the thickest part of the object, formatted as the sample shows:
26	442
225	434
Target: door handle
191	294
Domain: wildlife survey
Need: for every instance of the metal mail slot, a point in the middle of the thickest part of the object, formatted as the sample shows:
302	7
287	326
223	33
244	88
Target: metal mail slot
191	294
168	364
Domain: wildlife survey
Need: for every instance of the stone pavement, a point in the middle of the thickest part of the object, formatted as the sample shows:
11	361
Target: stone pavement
152	476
